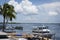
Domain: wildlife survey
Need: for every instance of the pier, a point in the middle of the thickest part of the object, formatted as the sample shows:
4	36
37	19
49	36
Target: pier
14	36
28	37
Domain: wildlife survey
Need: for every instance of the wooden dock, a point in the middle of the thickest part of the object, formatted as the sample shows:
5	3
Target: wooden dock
13	36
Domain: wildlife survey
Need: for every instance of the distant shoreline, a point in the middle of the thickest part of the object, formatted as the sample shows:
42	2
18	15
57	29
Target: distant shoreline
27	23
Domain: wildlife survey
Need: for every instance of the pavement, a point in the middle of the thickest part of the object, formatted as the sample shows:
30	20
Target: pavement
4	39
3	33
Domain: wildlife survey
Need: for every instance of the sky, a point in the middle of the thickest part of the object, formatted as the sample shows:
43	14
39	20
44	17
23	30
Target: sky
35	11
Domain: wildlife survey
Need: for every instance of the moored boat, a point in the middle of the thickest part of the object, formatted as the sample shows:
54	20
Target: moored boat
42	31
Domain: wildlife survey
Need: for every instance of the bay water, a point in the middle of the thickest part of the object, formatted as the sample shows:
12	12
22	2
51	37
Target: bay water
27	28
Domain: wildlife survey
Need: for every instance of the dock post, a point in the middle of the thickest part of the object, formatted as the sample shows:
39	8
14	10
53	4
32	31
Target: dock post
47	37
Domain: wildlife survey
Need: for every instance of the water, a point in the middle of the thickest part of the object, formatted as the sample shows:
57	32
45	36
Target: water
27	27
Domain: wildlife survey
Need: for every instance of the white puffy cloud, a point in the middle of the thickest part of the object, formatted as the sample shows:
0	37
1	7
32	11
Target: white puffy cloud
53	13
25	7
50	8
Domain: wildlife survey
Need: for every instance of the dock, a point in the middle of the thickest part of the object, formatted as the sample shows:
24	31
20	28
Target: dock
27	36
13	36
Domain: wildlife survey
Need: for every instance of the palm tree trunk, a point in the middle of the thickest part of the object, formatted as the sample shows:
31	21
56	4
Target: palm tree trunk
7	22
3	24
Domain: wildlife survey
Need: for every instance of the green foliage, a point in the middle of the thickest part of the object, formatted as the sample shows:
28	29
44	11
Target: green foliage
8	12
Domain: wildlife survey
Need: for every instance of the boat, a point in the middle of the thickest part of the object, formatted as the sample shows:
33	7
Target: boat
42	31
9	30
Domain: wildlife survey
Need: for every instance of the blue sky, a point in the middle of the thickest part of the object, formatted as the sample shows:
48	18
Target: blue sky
35	11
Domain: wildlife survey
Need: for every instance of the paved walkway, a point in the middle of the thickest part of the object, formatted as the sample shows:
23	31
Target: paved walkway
3	33
4	39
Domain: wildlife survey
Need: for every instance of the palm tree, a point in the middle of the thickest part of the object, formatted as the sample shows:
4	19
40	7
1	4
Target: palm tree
8	12
2	12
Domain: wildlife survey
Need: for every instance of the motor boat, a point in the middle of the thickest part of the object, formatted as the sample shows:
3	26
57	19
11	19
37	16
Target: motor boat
42	31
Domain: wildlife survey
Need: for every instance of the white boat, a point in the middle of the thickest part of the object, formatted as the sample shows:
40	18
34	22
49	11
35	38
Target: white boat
42	31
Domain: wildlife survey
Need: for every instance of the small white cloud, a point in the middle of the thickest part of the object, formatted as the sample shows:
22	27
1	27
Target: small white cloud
29	18
52	13
51	5
25	7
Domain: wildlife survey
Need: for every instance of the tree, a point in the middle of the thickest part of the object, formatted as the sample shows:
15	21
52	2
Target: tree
8	13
